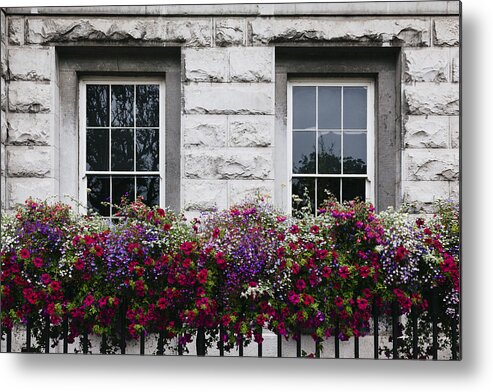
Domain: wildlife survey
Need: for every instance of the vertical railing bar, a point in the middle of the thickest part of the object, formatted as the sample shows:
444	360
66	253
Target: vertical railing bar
200	343
298	344
9	340
123	316
414	320
142	342
65	334
47	334
336	338
28	336
221	341
395	327
356	347
104	344
454	339
160	343
434	324
375	331
240	345
259	348
180	346
85	342
318	342
279	345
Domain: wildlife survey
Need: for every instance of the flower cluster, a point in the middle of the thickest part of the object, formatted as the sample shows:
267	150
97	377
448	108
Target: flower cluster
232	273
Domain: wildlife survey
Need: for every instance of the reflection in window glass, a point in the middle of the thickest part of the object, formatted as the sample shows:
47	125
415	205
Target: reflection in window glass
329	152
328	186
304	193
352	188
122	144
304	152
354	107
304	110
354	152
329	107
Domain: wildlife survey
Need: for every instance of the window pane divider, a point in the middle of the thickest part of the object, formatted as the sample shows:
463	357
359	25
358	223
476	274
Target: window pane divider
123	173
359	175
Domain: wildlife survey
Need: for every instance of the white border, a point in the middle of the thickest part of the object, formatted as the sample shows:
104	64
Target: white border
82	133
370	143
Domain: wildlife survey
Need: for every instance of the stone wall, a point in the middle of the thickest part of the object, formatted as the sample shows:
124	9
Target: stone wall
228	101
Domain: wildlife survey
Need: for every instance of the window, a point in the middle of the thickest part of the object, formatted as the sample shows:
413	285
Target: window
330	124
122	142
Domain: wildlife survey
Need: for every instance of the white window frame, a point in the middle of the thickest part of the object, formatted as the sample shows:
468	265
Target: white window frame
370	141
83	82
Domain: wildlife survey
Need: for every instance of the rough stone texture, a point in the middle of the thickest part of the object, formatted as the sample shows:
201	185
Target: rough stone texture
3	193
446	31
252	64
204	130
31	64
20	189
454	190
229	31
431	165
411	32
455	131
16	30
206	65
3	60
241	190
3	127
2	160
251	131
425	191
25	161
248	163
426	132
455	65
426	65
183	31
29	97
3	27
3	96
30	129
432	98
201	195
229	98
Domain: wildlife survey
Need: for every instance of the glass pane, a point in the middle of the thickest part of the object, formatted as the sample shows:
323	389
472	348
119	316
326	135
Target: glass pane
98	191
329	107
147	143
97	149
329	152
148	189
352	188
304	101
304	152
324	185
147	105
122	106
355	107
123	186
300	200
354	153
97	106
122	149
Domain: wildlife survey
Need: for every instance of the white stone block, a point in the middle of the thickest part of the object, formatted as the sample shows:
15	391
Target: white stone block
199	195
425	191
30	129
183	31
3	193
455	131
229	98
3	127
426	132
240	190
3	160
432	98
31	64
251	131
229	31
16	30
411	32
3	60
30	97
20	189
234	163
204	130
206	65
30	161
426	65
455	65
3	94
431	165
446	31
252	64
454	191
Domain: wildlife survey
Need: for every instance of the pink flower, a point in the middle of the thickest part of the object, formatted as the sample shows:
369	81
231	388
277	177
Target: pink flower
55	286
364	271
339	302
295	269
202	276
294	229
38	262
89	300
45	279
300	284
293	297
344	272
314	229
362	303
24	253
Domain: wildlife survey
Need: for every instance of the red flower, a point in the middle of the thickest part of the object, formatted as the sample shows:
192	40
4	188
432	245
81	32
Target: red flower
24	253
162	303
187	262
89	300
202	276
293	297
314	229
38	262
401	253
221	262
308	299
362	303
294	229
339	302
45	279
344	272
166	227
98	250
300	284
364	271
295	269
326	271
79	264
216	232
187	247
55	286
